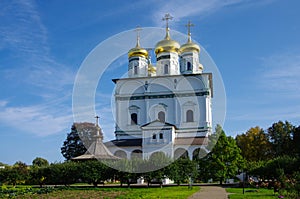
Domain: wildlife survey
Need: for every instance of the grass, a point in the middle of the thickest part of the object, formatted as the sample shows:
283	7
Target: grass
166	192
176	192
251	193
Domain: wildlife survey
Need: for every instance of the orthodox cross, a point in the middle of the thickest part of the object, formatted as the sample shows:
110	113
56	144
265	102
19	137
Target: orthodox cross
189	25
137	30
166	18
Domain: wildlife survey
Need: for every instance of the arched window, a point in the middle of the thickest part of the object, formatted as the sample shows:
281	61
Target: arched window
189	116
137	154
161	116
154	136
133	118
189	66
120	154
135	69
181	153
166	69
161	136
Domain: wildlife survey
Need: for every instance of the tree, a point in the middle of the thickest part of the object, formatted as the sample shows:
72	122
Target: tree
40	162
78	140
17	174
225	157
296	141
254	144
280	136
94	172
38	175
62	173
181	170
86	132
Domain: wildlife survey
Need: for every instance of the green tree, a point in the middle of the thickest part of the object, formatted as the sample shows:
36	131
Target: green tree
225	158
254	144
94	172
204	168
280	136
73	145
181	170
296	141
16	174
38	175
78	140
62	173
127	169
40	162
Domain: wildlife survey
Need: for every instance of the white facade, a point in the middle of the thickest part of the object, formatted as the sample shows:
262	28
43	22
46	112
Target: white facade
163	108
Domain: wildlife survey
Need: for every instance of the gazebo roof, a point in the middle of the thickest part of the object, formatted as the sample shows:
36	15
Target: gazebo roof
97	150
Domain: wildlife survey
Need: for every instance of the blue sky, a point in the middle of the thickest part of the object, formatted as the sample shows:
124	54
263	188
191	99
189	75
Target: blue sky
255	44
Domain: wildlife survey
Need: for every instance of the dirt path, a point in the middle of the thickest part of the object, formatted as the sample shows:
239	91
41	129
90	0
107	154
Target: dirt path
210	192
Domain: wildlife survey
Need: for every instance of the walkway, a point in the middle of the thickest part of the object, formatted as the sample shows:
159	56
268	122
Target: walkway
210	192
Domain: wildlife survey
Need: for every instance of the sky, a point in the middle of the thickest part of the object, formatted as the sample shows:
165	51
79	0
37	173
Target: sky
254	43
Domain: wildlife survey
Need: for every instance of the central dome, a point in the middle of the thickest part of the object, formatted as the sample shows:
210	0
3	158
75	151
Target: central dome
167	45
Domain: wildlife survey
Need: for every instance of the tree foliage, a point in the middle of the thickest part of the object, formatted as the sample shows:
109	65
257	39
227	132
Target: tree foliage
280	136
94	172
40	162
225	158
73	145
16	174
254	144
78	140
181	170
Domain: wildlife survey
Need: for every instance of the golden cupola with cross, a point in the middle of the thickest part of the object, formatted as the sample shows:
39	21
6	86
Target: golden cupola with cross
138	59
167	53
167	44
189	62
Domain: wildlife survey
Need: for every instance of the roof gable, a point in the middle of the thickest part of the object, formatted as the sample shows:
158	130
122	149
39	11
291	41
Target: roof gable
158	123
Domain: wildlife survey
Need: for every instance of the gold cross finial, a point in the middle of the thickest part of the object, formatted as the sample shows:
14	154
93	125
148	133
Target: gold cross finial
137	30
189	25
166	18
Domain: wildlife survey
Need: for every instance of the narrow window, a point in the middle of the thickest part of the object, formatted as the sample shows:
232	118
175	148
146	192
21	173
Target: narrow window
161	116
166	69
189	66
135	69
154	136
189	116
161	136
133	119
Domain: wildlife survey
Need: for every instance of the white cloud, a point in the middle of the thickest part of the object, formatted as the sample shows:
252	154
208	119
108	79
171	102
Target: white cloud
40	120
21	28
30	66
24	35
180	9
277	92
280	75
3	103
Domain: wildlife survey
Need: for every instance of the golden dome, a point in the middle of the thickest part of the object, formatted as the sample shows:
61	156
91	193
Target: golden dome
151	69
189	46
167	44
138	51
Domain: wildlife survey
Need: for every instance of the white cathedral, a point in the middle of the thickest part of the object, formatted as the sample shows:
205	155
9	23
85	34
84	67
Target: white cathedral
164	107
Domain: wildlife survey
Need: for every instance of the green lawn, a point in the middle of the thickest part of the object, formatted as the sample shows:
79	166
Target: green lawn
251	193
166	192
176	192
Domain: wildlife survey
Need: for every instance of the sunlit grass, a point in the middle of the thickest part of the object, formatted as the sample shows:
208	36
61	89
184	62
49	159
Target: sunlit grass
251	193
176	192
166	192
